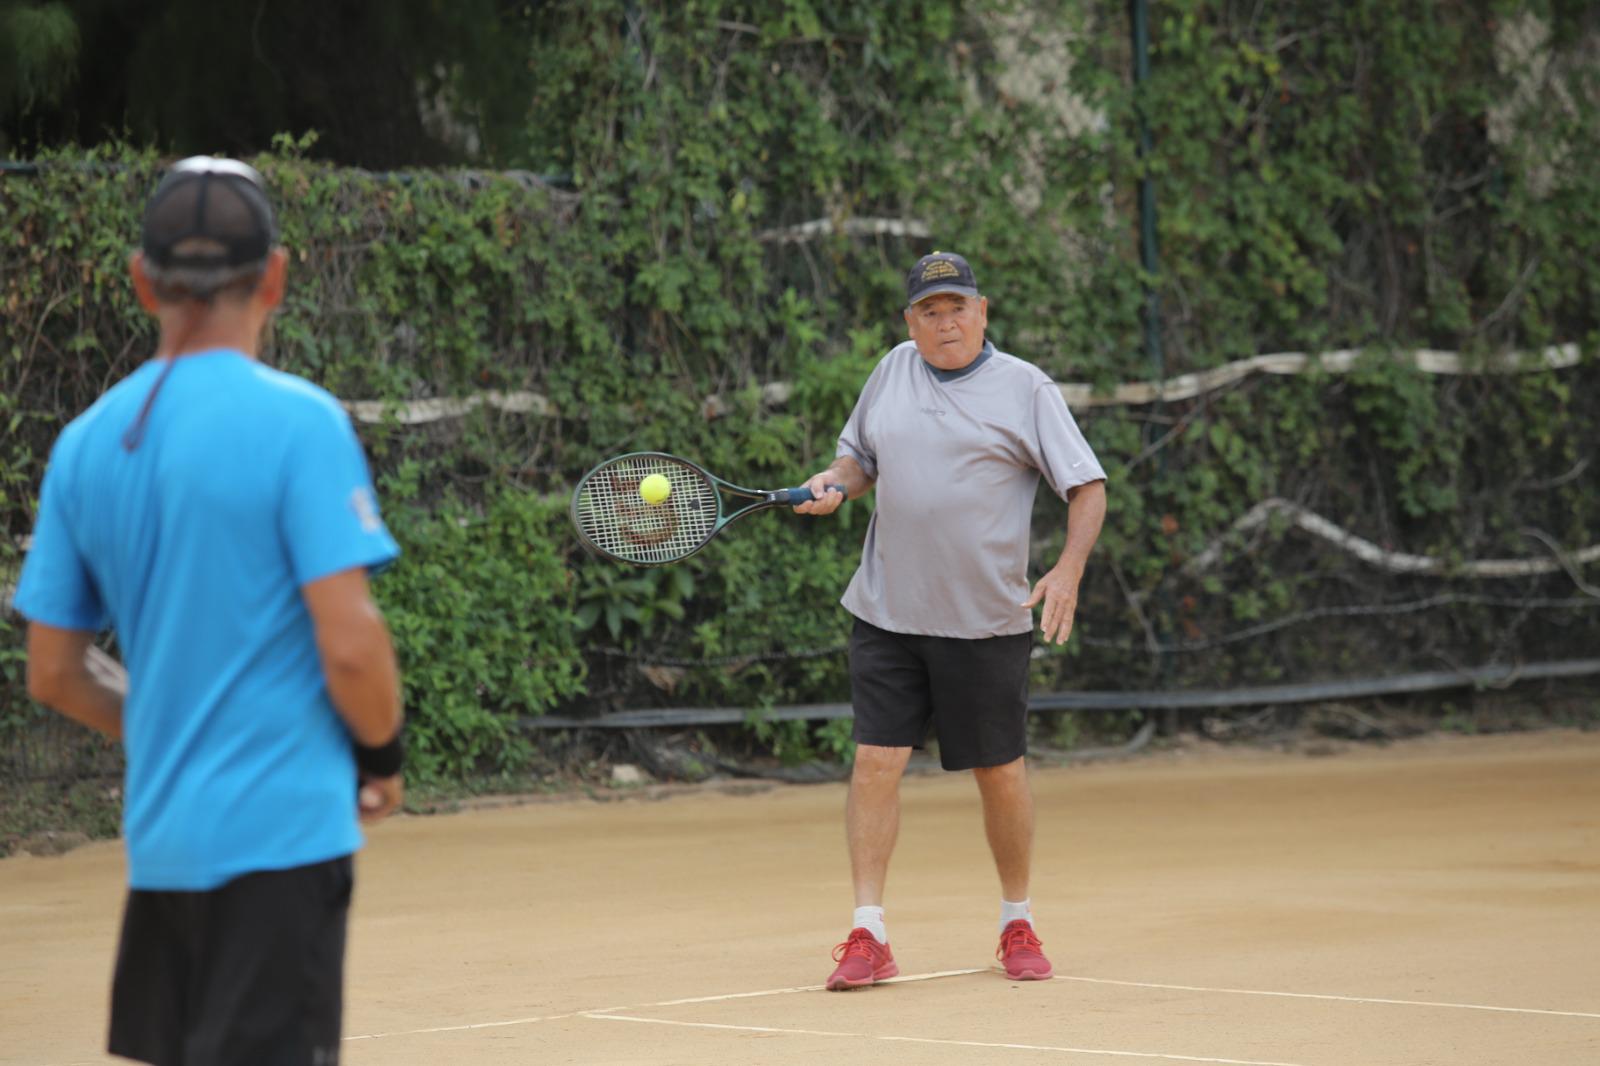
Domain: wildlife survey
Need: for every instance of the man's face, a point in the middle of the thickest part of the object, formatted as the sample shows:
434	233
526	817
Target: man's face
948	329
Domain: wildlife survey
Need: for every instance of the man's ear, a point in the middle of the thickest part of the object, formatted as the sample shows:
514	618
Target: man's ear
906	314
274	279
143	287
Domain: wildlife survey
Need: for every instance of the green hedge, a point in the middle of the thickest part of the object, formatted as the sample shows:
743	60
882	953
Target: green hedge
1369	175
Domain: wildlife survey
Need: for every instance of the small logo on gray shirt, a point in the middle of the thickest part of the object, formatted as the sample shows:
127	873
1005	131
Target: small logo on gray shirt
937	412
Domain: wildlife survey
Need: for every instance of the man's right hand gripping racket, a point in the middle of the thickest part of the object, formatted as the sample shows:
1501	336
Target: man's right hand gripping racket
614	516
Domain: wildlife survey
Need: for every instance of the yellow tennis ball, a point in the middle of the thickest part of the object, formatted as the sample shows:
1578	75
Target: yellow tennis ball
655	488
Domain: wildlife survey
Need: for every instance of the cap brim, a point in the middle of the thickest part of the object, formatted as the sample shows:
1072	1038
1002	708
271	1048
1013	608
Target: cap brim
944	290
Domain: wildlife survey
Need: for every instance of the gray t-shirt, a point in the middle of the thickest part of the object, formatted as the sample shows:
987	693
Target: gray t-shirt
957	457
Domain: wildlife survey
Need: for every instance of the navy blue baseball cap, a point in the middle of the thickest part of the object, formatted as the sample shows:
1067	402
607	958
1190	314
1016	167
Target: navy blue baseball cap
938	274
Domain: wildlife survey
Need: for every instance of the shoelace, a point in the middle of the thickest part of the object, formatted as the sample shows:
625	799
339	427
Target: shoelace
860	943
1019	938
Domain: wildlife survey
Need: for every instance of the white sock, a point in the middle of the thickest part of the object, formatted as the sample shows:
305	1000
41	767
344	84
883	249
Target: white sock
1010	912
871	919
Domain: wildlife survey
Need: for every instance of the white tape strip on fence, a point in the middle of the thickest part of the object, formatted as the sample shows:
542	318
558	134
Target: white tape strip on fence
854	227
1188	386
1077	394
1392	561
416	412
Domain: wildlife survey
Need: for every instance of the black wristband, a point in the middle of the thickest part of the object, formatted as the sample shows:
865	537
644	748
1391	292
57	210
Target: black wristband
384	760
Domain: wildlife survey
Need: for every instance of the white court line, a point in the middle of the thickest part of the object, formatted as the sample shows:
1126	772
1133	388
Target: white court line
787	991
600	1011
1340	999
474	1025
934	1040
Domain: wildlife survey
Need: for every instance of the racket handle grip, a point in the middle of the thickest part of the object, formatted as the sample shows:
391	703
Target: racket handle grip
803	494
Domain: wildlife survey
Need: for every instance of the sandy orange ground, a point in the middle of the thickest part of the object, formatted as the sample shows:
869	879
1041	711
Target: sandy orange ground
1226	907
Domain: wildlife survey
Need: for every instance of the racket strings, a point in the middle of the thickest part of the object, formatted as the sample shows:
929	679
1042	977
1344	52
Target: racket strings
616	519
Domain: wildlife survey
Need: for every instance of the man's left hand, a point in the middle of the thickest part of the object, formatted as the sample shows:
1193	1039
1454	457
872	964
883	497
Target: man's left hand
379	797
1059	591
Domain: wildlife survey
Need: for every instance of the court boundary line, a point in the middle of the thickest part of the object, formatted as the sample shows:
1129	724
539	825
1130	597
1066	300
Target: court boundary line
1164	1056
903	979
607	1011
472	1025
1340	999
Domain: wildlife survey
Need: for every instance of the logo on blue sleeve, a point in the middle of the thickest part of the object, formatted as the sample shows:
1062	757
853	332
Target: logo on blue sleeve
366	510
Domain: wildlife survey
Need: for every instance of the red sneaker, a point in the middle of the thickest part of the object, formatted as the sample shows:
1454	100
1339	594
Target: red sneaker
1021	953
862	961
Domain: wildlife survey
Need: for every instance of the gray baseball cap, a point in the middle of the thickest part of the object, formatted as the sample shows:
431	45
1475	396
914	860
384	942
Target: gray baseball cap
940	273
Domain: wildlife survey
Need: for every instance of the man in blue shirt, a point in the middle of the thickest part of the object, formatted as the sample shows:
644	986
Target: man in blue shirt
219	516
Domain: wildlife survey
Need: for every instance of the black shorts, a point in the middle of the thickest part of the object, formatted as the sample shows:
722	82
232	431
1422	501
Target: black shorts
973	692
248	974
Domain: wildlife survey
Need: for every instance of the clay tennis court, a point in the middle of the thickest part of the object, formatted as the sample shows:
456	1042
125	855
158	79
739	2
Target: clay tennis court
1431	902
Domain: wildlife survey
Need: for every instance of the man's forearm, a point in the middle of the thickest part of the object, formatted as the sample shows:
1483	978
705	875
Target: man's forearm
364	685
90	701
68	674
358	660
1086	513
847	472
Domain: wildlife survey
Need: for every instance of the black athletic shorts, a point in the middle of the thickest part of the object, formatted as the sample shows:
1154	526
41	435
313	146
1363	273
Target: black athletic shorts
248	974
973	692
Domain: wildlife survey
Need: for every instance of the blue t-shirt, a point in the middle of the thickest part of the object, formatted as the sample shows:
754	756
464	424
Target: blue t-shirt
248	484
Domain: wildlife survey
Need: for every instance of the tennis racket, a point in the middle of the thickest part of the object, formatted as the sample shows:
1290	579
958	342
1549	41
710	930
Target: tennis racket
614	520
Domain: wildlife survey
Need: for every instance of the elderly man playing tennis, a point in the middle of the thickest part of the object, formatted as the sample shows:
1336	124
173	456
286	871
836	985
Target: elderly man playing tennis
955	435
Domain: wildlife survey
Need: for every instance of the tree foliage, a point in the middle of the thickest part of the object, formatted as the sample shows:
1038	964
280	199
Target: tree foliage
404	82
38	56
